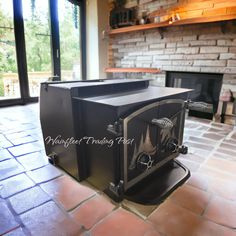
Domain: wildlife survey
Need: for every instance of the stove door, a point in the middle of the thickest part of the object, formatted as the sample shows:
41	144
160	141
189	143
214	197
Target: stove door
151	137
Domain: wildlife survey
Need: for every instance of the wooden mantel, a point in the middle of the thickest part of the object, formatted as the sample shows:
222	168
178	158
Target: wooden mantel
196	20
132	70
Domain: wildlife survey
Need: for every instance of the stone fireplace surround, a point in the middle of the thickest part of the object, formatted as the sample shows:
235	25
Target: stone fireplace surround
206	48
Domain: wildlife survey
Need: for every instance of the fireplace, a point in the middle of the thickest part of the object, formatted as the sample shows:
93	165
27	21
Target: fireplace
206	91
124	134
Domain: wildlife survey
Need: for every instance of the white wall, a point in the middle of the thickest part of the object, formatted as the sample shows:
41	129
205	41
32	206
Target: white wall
103	21
97	15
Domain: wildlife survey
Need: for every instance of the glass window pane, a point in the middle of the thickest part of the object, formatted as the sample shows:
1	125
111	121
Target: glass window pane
9	81
37	39
69	25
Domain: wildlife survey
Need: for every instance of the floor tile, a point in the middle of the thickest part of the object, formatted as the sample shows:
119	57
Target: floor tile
16	135
227	152
200	146
208	228
4	155
33	161
23	140
192	132
25	149
222	165
5	144
191	125
213	136
10	168
67	191
197	151
221	131
14	185
28	199
222	211
224	156
233	136
92	211
2	137
139	209
50	220
16	232
199	181
13	127
121	222
44	174
193	157
200	121
223	188
222	126
230	141
201	140
191	198
173	220
215	173
7	220
192	166
203	127
228	146
152	233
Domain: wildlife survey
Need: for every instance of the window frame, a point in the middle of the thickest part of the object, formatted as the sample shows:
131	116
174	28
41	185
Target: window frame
20	48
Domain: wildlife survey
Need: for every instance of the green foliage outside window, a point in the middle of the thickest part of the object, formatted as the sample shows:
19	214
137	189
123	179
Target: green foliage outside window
7	44
37	36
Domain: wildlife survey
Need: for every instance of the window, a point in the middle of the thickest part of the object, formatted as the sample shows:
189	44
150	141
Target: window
47	43
37	41
9	80
69	25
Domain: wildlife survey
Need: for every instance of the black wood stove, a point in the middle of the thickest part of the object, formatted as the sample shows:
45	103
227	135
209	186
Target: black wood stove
122	136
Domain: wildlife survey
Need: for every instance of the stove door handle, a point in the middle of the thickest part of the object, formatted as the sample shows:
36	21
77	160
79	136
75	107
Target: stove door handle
163	123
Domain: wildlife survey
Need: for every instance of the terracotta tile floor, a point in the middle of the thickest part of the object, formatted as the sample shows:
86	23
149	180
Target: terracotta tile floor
39	199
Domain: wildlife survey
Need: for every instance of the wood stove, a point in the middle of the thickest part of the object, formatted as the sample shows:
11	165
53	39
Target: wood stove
124	134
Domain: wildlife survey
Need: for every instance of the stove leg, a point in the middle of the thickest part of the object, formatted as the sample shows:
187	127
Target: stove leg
116	192
53	158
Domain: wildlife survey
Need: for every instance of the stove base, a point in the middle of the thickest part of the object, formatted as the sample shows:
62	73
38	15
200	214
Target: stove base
156	187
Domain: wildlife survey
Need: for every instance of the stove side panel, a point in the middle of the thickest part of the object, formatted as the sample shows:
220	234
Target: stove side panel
100	149
57	122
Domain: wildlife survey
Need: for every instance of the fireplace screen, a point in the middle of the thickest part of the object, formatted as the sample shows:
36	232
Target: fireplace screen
206	90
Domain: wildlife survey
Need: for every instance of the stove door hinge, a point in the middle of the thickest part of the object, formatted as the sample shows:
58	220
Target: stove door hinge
117	190
115	129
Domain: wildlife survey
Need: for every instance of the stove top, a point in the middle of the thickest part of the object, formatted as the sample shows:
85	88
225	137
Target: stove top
149	94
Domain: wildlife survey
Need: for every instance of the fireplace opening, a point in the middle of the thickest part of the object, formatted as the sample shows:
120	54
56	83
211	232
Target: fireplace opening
206	91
